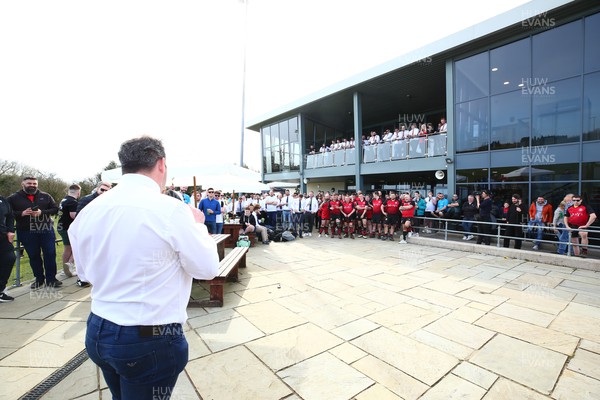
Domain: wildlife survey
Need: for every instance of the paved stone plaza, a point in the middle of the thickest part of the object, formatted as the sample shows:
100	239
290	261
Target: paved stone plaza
330	319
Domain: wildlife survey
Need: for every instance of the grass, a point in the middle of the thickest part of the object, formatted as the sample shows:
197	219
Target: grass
26	272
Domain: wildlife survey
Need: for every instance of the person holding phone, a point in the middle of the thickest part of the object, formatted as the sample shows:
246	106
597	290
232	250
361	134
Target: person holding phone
33	211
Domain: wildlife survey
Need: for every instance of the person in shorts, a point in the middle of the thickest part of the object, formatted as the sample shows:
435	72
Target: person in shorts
360	204
407	209
325	215
335	216
578	219
348	212
392	215
376	206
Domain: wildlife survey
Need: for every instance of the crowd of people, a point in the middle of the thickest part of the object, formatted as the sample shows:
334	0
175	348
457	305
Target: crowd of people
378	215
404	131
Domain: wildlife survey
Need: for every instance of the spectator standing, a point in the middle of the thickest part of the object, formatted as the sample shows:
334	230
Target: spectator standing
430	204
211	208
184	196
513	217
33	211
286	214
297	214
311	206
469	210
443	126
141	258
100	189
540	215
67	210
577	218
485	216
271	204
558	222
219	217
7	251
454	208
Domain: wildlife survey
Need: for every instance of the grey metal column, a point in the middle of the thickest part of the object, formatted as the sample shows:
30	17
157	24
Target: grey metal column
357	109
302	140
451	170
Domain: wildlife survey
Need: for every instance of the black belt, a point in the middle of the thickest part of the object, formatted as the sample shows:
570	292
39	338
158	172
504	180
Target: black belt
160	330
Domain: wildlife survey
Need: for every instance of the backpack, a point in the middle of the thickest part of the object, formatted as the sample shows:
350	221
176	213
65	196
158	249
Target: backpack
287	236
243	241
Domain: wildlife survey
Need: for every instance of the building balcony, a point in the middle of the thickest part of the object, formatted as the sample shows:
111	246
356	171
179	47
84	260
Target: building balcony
420	147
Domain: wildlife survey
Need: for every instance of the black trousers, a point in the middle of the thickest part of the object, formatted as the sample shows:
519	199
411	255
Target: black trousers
7	261
515	232
309	219
484	231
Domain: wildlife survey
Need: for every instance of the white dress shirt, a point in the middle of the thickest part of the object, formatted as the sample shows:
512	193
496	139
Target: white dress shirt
285	202
271	207
141	257
310	205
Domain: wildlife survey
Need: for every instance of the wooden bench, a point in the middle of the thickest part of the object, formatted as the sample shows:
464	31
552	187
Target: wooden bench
228	271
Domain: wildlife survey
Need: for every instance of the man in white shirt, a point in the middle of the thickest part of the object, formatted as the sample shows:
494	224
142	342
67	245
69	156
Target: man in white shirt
271	204
296	205
311	206
443	126
286	215
140	258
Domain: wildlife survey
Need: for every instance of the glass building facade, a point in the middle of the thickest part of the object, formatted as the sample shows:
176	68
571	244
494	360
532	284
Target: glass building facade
281	146
525	111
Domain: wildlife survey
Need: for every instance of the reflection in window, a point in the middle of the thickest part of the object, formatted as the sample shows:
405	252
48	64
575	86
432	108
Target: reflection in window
510	66
553	192
591	107
510	120
517	173
555	172
557	115
472	175
472	77
592	50
590	171
558	52
503	192
266	132
472	119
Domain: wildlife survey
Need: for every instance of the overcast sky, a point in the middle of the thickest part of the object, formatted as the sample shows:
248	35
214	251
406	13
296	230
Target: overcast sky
77	77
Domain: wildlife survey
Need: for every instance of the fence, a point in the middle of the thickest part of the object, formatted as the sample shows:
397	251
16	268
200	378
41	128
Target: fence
419	147
498	227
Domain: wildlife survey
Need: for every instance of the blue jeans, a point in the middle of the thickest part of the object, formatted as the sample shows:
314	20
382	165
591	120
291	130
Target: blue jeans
134	366
287	219
219	227
563	238
211	226
539	227
467	225
38	243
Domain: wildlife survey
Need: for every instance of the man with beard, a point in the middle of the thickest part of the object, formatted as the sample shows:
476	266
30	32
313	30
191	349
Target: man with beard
513	217
33	211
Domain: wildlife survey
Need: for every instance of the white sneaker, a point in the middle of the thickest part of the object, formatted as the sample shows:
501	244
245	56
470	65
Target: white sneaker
67	268
310	234
319	235
326	235
415	235
536	247
410	234
403	241
470	237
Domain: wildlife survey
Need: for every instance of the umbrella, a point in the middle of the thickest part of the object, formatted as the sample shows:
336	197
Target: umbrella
278	184
524	172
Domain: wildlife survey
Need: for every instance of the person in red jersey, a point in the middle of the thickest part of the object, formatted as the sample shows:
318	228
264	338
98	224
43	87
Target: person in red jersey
335	216
368	216
377	218
348	212
360	204
408	211
579	217
325	215
392	214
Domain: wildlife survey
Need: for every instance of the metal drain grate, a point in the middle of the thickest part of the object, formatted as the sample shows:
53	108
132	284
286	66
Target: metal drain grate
38	391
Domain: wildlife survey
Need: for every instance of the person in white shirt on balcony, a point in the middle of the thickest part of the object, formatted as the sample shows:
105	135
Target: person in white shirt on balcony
140	258
443	126
374	138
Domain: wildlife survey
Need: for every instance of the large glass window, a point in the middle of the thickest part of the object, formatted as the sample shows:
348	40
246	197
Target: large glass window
592	50
590	171
553	192
591	107
472	77
555	172
557	113
558	52
510	66
280	141
510	120
472	126
479	175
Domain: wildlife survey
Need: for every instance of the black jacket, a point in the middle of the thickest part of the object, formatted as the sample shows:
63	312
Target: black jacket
248	218
87	200
20	202
7	219
469	210
513	216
